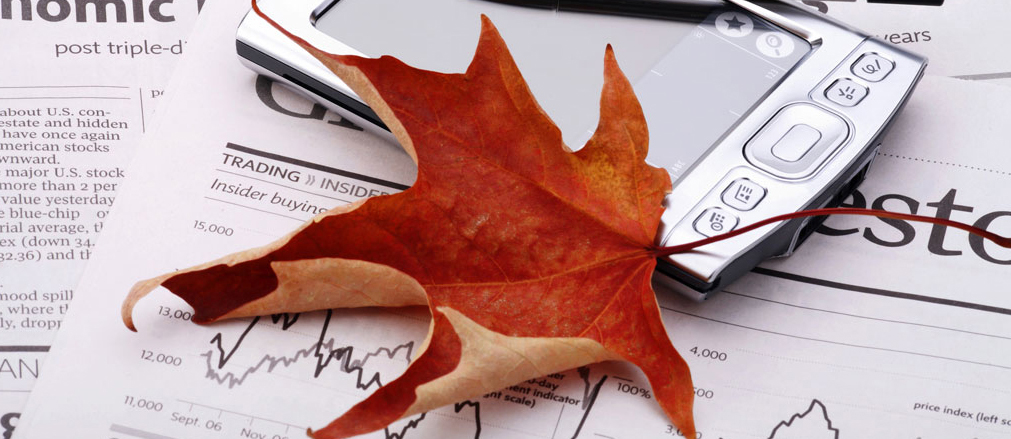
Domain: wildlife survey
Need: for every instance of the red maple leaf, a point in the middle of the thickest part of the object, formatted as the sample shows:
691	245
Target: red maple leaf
532	259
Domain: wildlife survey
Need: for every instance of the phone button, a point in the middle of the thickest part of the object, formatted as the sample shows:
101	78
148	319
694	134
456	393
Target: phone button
743	194
796	143
872	67
715	221
845	92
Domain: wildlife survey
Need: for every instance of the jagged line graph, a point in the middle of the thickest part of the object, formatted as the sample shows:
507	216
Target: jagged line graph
477	415
797	416
289	320
589	396
325	352
342	354
412	424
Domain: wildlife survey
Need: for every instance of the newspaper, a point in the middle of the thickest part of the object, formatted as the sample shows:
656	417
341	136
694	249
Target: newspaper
875	328
88	76
79	84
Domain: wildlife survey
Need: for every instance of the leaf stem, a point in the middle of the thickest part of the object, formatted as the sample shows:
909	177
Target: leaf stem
681	248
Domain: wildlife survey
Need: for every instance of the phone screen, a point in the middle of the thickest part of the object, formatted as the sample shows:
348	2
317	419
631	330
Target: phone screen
695	78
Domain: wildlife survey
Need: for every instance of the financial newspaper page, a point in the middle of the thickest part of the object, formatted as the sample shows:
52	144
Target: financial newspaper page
875	328
79	83
83	78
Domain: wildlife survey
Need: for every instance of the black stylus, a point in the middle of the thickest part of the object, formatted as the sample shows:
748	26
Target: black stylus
671	10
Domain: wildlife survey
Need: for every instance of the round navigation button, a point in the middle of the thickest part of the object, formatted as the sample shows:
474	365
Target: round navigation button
796	141
734	24
774	44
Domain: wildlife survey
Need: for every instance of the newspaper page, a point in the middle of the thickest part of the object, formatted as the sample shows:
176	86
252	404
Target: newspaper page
874	328
79	83
966	39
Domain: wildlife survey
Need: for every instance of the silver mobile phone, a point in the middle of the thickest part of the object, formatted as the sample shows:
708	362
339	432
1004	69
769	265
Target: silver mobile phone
754	111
